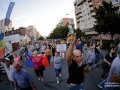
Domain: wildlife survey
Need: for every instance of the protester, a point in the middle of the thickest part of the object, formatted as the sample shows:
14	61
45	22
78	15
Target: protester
17	59
114	75
57	63
20	53
75	66
3	72
38	67
107	63
85	48
9	70
90	58
48	53
22	78
43	48
97	53
79	46
53	49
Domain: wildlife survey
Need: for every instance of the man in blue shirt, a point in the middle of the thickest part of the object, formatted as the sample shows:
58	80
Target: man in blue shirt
79	46
22	78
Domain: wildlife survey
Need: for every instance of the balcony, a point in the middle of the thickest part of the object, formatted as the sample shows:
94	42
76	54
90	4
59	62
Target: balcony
79	16
77	12
91	4
80	2
93	14
91	9
78	20
89	1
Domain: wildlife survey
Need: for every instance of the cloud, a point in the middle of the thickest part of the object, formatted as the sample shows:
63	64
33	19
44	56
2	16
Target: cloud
20	17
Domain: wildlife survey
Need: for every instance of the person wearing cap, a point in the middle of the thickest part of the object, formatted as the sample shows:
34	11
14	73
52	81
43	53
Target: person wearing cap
114	73
9	70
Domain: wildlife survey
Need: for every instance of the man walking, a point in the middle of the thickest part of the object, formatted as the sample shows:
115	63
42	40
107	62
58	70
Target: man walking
75	66
114	75
23	79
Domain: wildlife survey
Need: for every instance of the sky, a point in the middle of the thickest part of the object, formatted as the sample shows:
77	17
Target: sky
43	14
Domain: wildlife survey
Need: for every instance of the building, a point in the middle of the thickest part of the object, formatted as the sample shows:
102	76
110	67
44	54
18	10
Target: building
107	1
37	35
31	32
65	21
16	38
116	3
84	12
4	28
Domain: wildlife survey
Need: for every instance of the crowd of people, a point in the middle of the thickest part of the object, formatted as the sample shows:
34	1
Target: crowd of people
13	71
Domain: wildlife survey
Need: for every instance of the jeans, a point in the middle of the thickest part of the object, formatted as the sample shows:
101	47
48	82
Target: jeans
79	87
57	71
102	83
97	55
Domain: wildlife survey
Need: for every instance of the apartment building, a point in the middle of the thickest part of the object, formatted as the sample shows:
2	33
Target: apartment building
31	32
4	28
84	12
38	35
65	21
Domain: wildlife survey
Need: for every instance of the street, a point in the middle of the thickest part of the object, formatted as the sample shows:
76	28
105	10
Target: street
49	82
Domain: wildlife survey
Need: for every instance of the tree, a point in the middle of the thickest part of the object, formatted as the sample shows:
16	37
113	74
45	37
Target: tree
78	32
59	32
41	38
108	20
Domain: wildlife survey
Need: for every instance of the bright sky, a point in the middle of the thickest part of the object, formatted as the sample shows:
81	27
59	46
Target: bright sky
44	14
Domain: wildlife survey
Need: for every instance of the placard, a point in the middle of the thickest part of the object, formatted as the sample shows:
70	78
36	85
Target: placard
61	47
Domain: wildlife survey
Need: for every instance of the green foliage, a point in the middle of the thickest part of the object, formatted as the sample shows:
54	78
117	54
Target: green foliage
79	33
59	32
41	38
108	20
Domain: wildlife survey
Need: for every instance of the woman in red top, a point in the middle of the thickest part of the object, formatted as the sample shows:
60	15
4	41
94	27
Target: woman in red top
38	67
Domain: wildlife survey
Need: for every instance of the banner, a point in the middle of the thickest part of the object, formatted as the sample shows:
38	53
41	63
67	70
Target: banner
9	11
2	46
61	47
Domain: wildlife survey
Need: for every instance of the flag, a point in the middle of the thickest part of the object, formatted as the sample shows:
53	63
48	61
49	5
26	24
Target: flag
29	62
9	11
2	46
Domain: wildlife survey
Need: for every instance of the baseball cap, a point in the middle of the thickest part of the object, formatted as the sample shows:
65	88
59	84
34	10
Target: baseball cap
118	52
7	59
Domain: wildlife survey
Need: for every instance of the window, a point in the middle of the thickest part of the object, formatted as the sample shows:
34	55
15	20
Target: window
90	24
85	20
83	7
88	13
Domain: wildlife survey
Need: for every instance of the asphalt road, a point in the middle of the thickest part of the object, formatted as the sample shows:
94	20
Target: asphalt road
49	82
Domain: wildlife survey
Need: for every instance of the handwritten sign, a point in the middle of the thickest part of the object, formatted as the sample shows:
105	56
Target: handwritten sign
61	47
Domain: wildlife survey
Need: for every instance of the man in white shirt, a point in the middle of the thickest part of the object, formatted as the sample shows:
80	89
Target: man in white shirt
9	70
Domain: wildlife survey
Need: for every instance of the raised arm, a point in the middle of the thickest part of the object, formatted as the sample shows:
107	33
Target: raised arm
71	40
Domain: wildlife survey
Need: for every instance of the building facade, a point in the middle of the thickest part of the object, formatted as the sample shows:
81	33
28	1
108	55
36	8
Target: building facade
84	13
31	32
4	28
65	21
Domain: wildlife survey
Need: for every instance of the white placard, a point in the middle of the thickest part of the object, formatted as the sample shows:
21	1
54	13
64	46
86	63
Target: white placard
61	47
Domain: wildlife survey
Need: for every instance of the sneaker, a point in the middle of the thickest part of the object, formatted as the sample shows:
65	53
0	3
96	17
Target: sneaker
58	82
100	86
39	78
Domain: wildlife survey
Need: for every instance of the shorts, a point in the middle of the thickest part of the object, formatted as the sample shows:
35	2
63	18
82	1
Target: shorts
90	63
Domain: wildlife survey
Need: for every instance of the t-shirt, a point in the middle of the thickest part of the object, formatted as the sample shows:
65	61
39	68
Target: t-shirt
76	73
115	68
48	52
91	56
79	47
57	62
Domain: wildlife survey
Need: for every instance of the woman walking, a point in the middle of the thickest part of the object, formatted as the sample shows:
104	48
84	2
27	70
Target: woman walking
57	63
37	63
48	53
17	59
